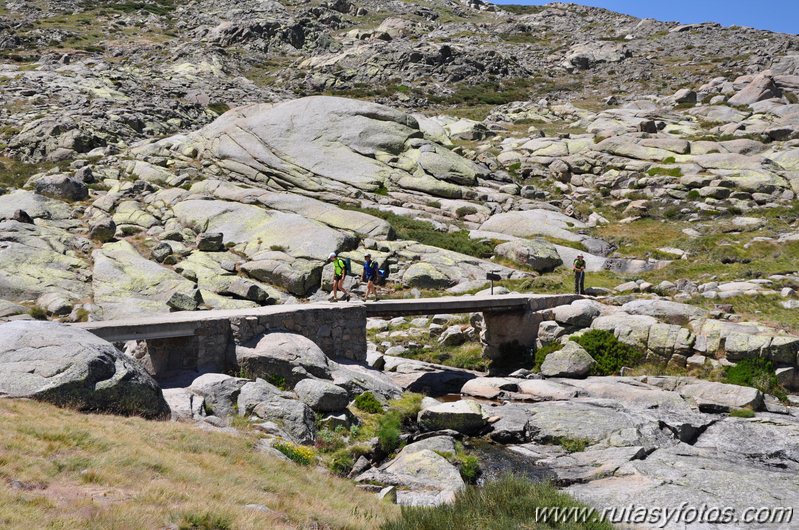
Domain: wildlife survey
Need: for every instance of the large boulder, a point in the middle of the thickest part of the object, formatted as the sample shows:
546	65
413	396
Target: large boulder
538	254
219	391
463	416
330	143
254	229
532	223
578	314
322	396
671	312
710	396
284	355
570	361
423	469
71	367
760	88
62	187
629	329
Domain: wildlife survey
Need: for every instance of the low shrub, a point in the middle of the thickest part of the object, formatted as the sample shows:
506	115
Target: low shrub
573	445
388	432
510	503
367	402
297	453
742	413
757	373
609	353
38	313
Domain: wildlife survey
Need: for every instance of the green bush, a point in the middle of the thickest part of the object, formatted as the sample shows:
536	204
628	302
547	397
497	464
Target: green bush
665	171
669	160
573	445
757	373
507	504
742	413
542	352
693	195
38	313
296	453
367	402
610	354
388	431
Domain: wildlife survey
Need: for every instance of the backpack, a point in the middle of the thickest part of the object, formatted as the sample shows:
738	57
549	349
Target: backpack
347	267
383	273
371	270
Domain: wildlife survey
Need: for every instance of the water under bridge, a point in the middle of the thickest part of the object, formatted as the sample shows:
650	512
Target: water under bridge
208	339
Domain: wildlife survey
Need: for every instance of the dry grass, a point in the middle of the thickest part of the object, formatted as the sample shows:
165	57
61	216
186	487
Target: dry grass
61	469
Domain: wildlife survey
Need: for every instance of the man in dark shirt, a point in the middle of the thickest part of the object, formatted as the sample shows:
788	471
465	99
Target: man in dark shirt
370	275
579	275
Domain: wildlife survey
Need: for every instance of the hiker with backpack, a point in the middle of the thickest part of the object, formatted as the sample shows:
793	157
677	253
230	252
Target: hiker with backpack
579	275
339	271
370	275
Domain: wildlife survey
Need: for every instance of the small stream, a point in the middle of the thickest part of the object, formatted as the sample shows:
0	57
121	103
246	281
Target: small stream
497	460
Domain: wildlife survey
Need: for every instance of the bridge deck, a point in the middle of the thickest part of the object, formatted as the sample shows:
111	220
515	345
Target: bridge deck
466	304
186	323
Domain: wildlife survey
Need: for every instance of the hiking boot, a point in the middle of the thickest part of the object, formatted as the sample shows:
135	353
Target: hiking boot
346	298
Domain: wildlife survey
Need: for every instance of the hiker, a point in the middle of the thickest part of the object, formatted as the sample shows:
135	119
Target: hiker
339	270
370	275
579	275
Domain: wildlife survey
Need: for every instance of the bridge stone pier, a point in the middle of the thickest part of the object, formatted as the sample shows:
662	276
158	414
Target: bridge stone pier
207	340
510	321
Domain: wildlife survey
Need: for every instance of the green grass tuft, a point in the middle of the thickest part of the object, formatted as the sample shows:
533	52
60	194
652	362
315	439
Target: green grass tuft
507	504
742	413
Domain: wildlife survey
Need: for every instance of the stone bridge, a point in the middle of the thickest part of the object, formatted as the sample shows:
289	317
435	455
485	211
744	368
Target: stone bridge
207	340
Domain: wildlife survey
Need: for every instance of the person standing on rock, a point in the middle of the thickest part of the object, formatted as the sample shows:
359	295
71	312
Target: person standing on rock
339	268
370	275
579	274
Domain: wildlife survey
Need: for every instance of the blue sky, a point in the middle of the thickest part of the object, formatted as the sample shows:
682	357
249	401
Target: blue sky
776	15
